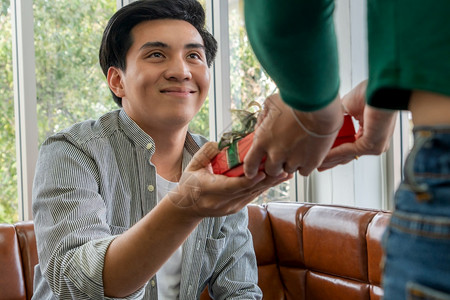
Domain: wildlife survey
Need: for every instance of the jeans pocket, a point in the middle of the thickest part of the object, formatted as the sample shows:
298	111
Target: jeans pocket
419	188
417	291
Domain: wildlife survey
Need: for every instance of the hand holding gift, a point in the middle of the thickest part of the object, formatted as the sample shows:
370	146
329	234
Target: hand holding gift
236	144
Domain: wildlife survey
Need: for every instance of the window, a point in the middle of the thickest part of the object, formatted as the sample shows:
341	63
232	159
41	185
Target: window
51	79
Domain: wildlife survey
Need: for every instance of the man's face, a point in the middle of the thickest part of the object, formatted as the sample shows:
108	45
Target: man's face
167	78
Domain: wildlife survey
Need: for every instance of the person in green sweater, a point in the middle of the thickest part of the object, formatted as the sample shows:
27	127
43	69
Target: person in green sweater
409	69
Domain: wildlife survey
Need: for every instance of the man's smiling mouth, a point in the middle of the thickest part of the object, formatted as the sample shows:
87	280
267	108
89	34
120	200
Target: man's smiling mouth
177	90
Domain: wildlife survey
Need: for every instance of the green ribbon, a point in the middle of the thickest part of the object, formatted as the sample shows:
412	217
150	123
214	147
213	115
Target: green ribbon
233	155
246	125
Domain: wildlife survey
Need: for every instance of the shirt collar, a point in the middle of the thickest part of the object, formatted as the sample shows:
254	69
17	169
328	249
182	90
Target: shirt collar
139	137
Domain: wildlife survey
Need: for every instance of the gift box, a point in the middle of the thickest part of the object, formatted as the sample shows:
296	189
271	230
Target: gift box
346	133
229	161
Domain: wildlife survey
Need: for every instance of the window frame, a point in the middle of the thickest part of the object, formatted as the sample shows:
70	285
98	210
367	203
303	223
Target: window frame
24	102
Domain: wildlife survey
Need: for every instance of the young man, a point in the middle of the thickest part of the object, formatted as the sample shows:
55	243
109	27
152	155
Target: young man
122	206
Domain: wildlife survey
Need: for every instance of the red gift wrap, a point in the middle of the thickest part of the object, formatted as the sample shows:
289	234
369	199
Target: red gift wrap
346	133
229	161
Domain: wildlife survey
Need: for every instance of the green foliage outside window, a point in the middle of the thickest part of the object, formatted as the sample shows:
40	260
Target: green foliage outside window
70	84
8	173
249	81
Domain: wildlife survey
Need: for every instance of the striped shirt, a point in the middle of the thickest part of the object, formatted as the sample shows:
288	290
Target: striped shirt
95	180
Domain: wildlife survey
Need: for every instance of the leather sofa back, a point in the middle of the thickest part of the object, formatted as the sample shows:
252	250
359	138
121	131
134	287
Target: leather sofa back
328	252
303	250
18	256
11	272
28	252
312	251
320	251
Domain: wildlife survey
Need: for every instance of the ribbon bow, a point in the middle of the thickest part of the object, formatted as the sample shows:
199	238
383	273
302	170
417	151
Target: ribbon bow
246	124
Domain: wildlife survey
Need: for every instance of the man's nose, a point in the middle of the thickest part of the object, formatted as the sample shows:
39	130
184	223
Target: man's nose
178	69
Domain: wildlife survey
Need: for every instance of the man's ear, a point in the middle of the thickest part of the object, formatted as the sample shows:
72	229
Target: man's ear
114	78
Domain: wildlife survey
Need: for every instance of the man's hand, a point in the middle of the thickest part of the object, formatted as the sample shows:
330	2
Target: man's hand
205	194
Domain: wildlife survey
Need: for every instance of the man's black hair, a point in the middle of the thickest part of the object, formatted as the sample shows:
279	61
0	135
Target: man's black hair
117	38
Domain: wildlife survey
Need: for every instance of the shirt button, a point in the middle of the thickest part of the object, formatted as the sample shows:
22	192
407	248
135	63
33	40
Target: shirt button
153	283
149	146
151	188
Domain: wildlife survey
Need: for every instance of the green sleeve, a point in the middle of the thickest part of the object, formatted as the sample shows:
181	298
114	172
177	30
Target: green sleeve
295	43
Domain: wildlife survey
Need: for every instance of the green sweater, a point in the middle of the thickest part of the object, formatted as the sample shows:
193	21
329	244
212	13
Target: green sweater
295	41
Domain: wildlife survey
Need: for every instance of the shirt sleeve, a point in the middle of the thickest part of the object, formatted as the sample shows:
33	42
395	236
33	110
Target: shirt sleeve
236	273
70	221
295	43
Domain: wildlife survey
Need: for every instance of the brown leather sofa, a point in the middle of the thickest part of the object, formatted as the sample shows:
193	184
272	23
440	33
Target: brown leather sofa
304	251
18	256
317	252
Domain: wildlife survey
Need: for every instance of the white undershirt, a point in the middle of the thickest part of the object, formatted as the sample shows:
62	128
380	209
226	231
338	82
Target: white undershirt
168	276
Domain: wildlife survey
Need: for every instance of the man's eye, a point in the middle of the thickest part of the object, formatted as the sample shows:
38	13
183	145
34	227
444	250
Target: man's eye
155	54
194	55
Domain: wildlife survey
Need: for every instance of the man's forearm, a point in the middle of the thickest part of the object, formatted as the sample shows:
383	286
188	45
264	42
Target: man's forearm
135	256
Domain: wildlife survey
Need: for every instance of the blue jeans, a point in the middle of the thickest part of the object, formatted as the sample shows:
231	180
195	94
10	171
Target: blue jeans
417	240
